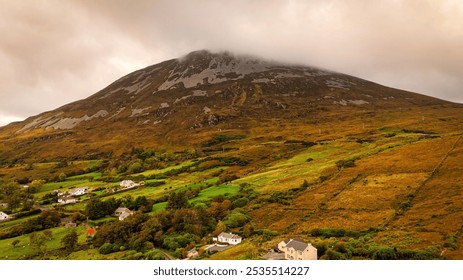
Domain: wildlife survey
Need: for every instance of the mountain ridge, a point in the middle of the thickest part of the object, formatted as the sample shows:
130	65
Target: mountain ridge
205	89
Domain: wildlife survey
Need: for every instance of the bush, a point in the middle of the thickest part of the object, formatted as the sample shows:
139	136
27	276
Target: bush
383	253
223	138
333	255
340	232
450	242
236	219
345	163
266	234
240	202
155	184
106	248
154	255
323	178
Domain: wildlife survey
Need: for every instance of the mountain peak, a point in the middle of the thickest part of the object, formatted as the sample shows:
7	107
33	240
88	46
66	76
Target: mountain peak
205	90
205	67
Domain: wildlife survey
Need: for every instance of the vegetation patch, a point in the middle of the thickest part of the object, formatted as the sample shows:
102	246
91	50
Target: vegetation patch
223	138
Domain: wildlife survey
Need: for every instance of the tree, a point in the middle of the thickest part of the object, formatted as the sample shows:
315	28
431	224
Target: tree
36	185
95	209
69	241
48	234
37	241
236	219
135	167
219	228
15	243
113	173
62	177
177	200
305	184
12	195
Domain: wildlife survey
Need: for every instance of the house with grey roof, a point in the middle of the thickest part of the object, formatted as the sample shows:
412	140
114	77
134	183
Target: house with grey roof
78	191
123	213
228	237
66	200
4	216
128	184
297	249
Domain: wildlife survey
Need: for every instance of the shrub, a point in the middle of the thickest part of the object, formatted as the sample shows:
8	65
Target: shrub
236	219
345	163
106	248
323	178
333	255
240	202
450	242
383	253
154	255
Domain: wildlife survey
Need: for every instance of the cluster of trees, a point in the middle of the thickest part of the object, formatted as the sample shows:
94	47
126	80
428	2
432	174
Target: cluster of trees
97	208
46	220
139	159
344	244
19	198
178	228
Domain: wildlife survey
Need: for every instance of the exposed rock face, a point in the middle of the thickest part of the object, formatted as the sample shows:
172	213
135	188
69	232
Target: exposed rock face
205	89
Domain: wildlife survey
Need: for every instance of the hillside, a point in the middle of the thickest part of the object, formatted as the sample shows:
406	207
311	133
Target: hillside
268	150
193	98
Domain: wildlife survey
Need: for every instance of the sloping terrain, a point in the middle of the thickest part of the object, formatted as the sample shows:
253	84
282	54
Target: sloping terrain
347	164
193	98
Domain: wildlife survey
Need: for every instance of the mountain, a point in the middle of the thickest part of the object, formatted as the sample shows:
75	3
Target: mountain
269	150
181	100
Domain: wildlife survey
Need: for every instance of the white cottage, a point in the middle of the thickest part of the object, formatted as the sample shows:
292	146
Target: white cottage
228	237
78	191
4	216
66	200
122	213
128	184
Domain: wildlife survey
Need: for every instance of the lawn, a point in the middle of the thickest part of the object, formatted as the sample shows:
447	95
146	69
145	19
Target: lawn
159	171
223	189
60	185
23	250
159	206
94	175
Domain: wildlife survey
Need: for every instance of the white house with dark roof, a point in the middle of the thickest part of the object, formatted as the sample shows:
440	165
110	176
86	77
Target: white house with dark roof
297	249
66	200
4	216
127	184
228	237
78	191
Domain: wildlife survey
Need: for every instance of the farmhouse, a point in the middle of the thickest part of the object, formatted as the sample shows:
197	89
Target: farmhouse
229	238
78	191
4	216
127	184
66	200
297	249
122	213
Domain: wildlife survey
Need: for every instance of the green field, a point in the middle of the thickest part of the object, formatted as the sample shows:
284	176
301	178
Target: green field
23	250
223	189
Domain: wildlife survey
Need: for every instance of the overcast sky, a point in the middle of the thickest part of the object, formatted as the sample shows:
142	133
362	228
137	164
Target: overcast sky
53	52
